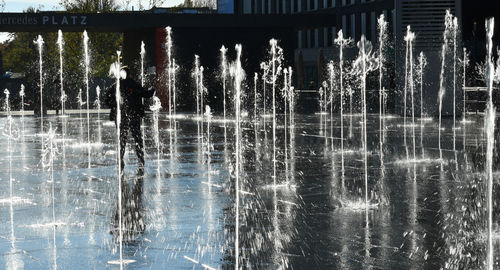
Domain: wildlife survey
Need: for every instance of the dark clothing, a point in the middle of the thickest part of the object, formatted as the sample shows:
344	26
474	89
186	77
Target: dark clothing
132	94
134	125
131	111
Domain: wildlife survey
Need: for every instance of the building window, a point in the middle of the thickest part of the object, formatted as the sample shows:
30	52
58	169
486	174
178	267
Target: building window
309	45
299	39
353	26
325	37
247	6
353	2
311	77
299	6
333	3
333	35
316	38
292	6
344	25
363	23
343	2
373	25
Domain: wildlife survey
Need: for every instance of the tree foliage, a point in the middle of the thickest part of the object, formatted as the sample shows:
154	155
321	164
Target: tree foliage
21	55
198	4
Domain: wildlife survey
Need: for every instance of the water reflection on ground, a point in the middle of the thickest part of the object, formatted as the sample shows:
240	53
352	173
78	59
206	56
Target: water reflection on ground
426	212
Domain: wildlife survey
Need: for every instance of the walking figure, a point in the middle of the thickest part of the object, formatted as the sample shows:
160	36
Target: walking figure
132	111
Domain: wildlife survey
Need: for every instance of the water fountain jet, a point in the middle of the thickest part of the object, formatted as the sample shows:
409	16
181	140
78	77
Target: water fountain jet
60	43
365	63
489	126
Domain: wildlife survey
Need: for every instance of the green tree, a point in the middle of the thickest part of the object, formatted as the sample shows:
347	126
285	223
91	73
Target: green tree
102	6
20	55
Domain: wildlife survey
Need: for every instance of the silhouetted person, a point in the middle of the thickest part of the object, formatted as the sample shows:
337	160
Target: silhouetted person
131	110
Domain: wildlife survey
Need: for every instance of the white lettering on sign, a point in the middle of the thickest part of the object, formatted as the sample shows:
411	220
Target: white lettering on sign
19	19
34	19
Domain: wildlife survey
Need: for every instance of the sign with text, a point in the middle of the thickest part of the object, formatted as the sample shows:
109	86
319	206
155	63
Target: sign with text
40	20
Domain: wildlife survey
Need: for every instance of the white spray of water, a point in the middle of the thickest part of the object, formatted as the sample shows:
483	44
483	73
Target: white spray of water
448	22
410	38
98	106
489	126
50	154
454	30
239	75
208	149
224	71
276	58
332	78
365	63
465	64
382	37
255	82
203	90
155	108
284	93
291	106
13	261
265	70
22	94
87	64
60	43
143	55
342	43
175	68
115	71
170	69
40	42
98	100
422	62
196	74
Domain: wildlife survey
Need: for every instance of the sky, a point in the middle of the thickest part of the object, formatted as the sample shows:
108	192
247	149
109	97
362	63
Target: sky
20	5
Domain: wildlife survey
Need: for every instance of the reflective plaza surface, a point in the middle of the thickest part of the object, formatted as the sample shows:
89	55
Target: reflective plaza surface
427	199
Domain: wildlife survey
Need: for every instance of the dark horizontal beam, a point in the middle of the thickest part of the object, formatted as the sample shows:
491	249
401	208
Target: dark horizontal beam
127	21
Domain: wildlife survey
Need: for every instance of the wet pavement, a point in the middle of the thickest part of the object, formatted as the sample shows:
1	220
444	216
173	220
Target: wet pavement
424	213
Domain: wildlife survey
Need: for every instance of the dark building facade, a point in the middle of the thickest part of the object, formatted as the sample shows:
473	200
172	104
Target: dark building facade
354	17
427	20
314	45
